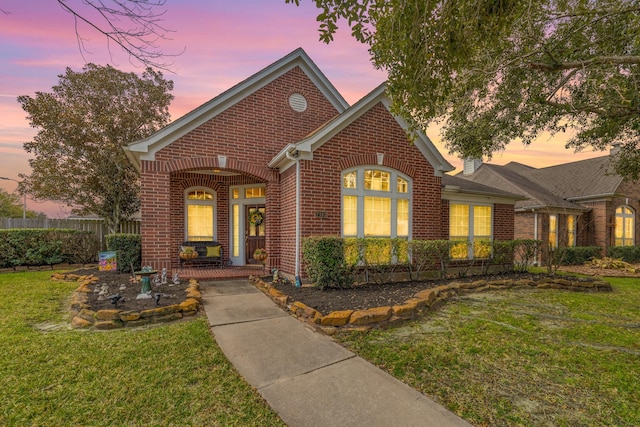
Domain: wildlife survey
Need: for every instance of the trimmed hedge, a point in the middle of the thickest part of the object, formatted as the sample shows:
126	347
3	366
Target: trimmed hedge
627	253
578	255
36	247
324	259
128	248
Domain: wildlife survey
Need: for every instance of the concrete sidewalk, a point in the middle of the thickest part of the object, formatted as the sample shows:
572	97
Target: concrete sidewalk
306	377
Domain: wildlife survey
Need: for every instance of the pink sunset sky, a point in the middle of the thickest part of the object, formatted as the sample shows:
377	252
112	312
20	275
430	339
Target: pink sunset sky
224	42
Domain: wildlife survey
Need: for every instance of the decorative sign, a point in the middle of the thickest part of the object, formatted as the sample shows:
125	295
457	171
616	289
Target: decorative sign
107	261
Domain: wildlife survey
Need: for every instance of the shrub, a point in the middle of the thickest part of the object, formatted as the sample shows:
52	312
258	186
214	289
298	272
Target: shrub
627	253
578	255
128	250
324	259
525	252
35	247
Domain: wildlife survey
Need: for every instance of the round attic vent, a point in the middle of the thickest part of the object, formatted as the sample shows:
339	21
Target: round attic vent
298	102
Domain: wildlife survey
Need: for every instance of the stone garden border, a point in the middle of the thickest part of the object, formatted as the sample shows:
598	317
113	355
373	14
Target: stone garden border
423	301
82	316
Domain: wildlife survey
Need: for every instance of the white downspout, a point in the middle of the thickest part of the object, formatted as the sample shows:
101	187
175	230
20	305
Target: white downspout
535	233
295	158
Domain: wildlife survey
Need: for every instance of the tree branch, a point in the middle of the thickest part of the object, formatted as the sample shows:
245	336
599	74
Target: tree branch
138	42
617	60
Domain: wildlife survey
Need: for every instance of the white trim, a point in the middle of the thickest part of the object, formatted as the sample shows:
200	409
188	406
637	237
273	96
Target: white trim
470	237
317	139
242	202
145	149
360	193
213	202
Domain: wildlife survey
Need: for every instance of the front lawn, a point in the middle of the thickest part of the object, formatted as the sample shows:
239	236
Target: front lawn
172	374
542	357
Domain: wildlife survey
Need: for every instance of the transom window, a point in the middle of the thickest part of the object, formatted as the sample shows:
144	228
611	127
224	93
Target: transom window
371	206
471	225
199	214
625	226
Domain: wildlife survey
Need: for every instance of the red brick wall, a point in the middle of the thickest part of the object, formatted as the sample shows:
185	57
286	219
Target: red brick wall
375	132
503	222
249	133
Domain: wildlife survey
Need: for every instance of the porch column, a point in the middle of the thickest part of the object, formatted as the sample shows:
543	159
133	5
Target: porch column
155	210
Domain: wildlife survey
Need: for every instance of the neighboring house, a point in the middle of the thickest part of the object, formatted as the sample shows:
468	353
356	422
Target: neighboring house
285	144
582	203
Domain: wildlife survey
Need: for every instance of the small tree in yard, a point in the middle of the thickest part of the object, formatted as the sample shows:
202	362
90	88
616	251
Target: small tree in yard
82	126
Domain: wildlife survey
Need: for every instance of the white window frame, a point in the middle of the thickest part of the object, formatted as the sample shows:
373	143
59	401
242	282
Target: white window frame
212	202
241	202
626	241
471	233
360	193
554	243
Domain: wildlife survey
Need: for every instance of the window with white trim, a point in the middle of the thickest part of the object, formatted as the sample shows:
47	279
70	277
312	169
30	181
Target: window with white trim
553	231
199	214
625	226
375	202
471	225
571	230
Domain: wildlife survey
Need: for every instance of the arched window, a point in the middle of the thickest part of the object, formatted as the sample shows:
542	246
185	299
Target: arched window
199	214
375	203
625	226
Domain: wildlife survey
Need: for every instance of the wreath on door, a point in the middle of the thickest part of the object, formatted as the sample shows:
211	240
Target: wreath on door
256	218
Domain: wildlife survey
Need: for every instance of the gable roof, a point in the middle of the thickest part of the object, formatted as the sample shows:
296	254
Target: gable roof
146	148
316	139
454	185
556	186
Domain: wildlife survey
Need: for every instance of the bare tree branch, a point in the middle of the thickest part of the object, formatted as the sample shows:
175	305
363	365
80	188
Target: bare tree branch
133	25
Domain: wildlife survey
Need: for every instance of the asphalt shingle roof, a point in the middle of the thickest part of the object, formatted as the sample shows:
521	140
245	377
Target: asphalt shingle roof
553	186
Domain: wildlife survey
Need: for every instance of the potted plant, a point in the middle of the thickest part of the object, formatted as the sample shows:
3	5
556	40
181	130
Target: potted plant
260	255
188	252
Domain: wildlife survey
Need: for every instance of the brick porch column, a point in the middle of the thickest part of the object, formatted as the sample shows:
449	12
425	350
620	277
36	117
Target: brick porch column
155	209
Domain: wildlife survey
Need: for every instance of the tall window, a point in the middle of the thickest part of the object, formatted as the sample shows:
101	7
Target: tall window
471	225
625	226
553	231
375	202
199	214
571	230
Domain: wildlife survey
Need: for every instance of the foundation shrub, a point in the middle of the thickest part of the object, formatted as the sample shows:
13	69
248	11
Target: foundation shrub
627	253
324	259
128	250
578	255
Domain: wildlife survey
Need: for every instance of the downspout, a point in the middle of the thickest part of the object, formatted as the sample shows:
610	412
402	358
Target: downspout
295	158
535	232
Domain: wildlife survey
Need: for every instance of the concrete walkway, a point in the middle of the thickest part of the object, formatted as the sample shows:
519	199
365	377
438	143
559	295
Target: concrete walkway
306	377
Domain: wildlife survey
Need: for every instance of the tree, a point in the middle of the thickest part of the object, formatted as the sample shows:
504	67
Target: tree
82	125
495	71
11	206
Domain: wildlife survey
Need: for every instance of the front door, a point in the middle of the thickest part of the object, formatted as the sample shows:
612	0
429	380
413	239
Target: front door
254	231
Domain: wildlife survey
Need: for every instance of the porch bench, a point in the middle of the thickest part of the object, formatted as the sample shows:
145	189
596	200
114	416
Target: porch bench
209	253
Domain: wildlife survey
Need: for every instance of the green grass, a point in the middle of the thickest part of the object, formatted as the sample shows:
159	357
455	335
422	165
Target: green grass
172	374
523	357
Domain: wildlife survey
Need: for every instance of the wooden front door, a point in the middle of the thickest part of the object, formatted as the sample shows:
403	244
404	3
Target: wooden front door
254	236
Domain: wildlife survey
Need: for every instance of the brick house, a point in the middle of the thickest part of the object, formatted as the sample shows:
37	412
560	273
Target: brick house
582	203
284	145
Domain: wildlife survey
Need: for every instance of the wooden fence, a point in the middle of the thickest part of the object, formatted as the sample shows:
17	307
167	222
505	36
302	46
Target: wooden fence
95	225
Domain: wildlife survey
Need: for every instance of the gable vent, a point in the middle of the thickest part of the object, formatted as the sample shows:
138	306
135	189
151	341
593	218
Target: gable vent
298	102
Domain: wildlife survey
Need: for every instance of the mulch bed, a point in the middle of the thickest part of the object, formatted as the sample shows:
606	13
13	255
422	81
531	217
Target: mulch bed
359	297
171	294
364	296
